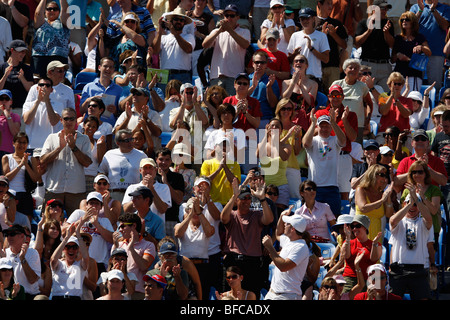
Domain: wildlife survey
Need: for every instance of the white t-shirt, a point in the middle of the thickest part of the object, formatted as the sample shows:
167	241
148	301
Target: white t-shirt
217	135
99	248
122	169
165	114
161	189
194	243
410	228
172	56
323	157
68	280
319	42
290	281
283	44
228	57
34	261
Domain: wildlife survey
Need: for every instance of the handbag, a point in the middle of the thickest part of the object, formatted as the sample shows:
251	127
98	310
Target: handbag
418	62
29	184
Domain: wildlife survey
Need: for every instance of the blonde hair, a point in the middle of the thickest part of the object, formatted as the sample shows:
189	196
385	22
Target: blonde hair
414	21
395	76
369	179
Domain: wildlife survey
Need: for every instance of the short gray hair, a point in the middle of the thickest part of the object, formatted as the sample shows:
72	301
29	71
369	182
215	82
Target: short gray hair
351	61
120	132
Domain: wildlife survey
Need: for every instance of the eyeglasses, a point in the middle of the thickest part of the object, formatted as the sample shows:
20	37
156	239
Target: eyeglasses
74	247
405	20
233	277
420	138
93	106
335	96
329	287
366	73
389	154
52	9
383	175
59	70
12	234
120	258
417	172
48	85
286	109
123	225
55	205
189	92
387	134
230	15
126	140
3	185
4	98
277	7
299	61
270	193
130	21
355	226
398	84
178	19
309	189
447	98
259	62
240	83
138	94
67	119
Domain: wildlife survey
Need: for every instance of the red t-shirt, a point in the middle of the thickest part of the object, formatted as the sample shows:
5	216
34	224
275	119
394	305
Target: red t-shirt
433	162
390	296
394	118
355	247
278	61
352	118
253	109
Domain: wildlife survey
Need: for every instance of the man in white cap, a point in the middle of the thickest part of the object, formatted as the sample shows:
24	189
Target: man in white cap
291	262
323	153
161	192
56	71
99	228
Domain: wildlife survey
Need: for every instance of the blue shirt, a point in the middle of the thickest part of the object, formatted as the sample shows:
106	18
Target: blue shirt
146	22
126	92
260	94
429	27
95	88
154	226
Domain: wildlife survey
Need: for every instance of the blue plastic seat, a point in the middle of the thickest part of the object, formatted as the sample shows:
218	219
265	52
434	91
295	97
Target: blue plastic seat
345	207
374	127
327	249
165	138
321	100
82	79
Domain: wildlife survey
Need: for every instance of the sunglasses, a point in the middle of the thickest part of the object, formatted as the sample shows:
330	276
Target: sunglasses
417	171
240	83
355	226
130	21
67	119
4	98
74	247
102	183
329	287
270	193
12	234
230	15
48	85
447	98
420	138
388	135
123	225
383	175
126	140
309	189
335	96
286	109
233	277
299	61
259	62
189	92
52	9
405	20
389	154
398	84
55	205
178	19
137	94
366	73
93	106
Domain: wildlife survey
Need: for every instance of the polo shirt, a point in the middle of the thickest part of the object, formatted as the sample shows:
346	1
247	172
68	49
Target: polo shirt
254	108
433	162
260	94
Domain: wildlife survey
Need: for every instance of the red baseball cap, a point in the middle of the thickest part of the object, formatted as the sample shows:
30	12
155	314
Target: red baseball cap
336	87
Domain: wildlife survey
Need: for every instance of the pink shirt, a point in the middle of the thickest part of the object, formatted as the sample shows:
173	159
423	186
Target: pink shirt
7	137
317	219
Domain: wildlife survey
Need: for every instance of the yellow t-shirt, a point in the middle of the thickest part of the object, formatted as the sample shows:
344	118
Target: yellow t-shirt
292	161
221	189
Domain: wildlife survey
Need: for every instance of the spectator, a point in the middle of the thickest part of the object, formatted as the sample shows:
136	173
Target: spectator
375	36
100	229
20	169
105	88
69	271
372	251
120	164
314	45
9	122
141	253
434	21
276	20
51	41
48	237
435	125
291	134
378	288
61	92
230	42
410	228
374	200
162	199
131	39
420	109
8	205
181	155
114	284
291	262
154	287
348	122
212	99
177	278
66	183
395	140
322	151
9	289
54	210
264	87
172	101
234	277
221	170
407	43
317	215
242	246
397	109
25	260
111	208
16	75
41	113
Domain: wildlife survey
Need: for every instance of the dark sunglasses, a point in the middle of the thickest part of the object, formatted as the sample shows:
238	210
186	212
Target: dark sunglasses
54	205
130	21
233	277
48	85
447	98
189	92
12	234
405	20
286	109
355	226
270	193
259	62
329	287
299	61
4	98
398	84
230	15
137	94
52	9
69	118
366	73
240	83
335	96
126	140
178	19
93	105
417	171
74	246
384	175
389	154
420	138
309	189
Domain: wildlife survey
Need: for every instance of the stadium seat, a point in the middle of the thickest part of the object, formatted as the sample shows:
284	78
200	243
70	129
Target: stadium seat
374	127
321	99
165	138
82	79
327	249
322	273
345	207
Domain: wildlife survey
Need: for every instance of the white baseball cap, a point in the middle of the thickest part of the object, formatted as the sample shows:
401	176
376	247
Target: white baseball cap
297	221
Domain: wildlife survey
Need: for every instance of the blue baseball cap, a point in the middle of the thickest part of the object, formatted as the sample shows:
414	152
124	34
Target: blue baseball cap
6	92
371	144
306	13
231	7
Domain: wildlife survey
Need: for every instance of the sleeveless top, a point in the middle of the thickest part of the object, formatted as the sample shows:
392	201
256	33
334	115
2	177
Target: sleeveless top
274	170
375	217
18	182
51	40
